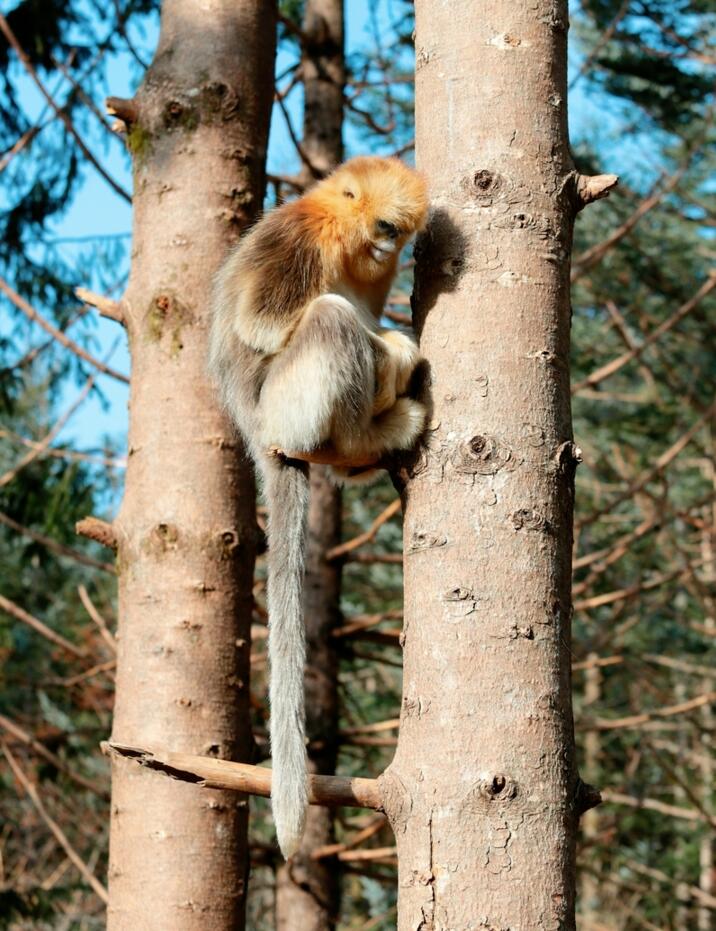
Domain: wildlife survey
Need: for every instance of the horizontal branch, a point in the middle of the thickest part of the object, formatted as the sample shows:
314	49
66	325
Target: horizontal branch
594	187
107	307
254	780
636	720
123	108
652	804
98	530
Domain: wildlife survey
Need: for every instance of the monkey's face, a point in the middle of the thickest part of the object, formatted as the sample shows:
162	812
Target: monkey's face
378	204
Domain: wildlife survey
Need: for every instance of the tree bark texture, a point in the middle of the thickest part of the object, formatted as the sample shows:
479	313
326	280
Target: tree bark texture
482	791
186	528
307	890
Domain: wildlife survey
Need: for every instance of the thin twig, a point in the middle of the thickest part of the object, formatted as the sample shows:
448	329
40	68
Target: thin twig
59	548
59	111
97	618
21	615
19	733
54	827
343	548
61	337
40	447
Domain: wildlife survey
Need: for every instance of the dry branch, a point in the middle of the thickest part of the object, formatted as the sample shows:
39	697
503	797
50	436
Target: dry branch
89	607
125	109
368	535
636	720
59	112
54	827
323	455
113	310
59	548
330	850
254	780
594	187
40	447
21	615
611	367
61	338
19	733
98	530
651	804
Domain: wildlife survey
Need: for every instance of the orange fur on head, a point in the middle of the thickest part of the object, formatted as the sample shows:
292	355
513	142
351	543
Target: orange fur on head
346	208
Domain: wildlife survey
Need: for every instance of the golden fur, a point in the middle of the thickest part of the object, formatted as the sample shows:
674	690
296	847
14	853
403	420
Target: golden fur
300	364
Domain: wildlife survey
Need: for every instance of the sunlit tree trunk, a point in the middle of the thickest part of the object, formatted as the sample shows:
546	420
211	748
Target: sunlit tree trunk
307	892
178	857
483	793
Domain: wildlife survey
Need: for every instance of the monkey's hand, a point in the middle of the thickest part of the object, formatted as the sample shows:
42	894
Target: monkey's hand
396	358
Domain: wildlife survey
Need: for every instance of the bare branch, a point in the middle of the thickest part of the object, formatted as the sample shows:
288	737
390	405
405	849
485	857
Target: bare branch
611	367
98	530
125	109
61	337
59	548
324	455
113	310
97	618
337	551
19	733
594	187
54	827
21	615
254	780
636	720
41	446
651	804
59	111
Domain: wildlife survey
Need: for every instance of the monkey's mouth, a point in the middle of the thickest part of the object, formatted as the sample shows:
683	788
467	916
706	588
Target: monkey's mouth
382	251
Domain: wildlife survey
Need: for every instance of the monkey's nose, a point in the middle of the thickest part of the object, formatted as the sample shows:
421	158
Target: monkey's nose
387	229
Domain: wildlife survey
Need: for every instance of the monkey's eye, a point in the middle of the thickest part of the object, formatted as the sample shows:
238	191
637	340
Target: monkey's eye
388	229
349	194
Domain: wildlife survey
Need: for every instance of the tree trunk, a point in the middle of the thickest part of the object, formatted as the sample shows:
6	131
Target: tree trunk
307	892
186	529
483	791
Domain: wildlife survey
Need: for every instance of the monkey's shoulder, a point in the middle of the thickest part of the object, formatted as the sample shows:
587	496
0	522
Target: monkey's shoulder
283	258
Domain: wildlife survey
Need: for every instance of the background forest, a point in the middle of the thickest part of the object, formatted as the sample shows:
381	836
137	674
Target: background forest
643	362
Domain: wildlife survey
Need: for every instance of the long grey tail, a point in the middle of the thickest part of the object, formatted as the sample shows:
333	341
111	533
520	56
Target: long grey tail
287	491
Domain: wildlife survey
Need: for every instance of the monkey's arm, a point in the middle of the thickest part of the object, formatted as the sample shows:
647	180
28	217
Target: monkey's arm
268	282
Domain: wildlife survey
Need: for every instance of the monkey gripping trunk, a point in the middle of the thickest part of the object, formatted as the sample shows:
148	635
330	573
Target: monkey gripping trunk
287	492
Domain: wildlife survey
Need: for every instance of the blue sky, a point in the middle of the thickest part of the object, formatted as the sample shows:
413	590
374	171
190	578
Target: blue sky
99	211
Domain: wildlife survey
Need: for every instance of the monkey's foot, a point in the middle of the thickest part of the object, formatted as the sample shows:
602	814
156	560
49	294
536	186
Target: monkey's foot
325	455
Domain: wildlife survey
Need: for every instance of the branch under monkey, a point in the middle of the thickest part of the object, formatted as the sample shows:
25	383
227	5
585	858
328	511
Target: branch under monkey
254	780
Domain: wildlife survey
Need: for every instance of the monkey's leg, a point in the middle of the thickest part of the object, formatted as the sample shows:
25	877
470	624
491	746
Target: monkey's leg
325	376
